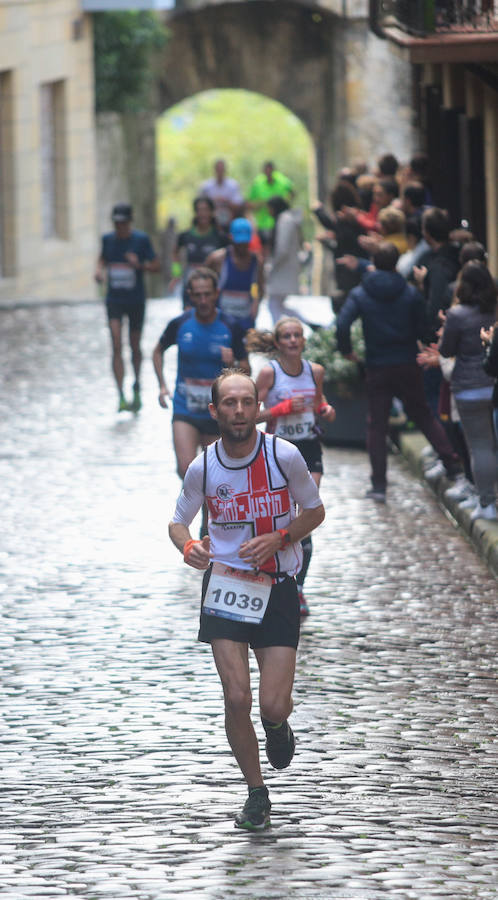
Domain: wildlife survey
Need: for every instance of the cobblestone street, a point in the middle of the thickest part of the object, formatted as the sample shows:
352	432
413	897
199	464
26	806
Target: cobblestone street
117	777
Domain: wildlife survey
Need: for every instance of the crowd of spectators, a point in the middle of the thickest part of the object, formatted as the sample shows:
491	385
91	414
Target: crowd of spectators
432	304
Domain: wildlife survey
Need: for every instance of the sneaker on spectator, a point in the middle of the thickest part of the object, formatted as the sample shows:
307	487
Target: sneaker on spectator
484	512
378	495
460	490
428	454
470	503
435	471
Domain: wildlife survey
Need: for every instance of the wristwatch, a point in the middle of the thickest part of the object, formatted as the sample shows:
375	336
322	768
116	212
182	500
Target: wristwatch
285	537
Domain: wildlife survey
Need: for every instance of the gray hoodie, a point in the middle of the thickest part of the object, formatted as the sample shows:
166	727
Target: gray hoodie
283	278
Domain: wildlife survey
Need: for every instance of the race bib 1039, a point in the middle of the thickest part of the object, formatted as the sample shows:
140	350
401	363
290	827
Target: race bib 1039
237	594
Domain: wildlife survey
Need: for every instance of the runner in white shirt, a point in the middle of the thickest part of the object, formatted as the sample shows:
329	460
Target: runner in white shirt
291	389
225	194
251	483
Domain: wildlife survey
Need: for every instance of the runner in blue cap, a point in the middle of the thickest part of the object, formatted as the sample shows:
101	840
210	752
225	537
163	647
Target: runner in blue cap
241	276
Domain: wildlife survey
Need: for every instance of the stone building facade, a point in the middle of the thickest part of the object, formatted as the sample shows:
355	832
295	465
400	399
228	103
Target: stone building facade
453	50
48	240
319	59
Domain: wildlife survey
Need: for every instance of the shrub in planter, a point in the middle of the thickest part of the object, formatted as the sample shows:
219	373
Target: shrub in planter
343	385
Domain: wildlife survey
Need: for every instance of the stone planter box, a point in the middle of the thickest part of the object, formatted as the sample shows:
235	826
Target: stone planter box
350	404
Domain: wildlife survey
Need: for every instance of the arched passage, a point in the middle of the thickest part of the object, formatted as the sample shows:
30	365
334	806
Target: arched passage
281	50
243	128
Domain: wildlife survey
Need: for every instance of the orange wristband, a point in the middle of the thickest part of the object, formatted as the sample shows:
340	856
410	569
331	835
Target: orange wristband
188	547
284	408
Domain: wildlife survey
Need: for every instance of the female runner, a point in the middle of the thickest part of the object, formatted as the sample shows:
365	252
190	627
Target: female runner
291	389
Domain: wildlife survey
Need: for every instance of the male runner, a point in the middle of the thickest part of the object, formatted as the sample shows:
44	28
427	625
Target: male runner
251	483
125	255
224	192
269	183
207	342
241	275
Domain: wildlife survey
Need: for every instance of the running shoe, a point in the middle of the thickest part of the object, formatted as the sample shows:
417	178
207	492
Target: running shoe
378	495
304	609
136	403
255	815
280	744
123	405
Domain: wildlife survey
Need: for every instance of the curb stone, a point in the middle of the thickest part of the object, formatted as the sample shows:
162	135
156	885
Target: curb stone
483	534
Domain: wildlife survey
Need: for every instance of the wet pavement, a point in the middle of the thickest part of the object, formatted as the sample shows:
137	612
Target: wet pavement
116	777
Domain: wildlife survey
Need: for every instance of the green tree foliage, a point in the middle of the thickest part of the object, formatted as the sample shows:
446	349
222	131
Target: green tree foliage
244	129
125	44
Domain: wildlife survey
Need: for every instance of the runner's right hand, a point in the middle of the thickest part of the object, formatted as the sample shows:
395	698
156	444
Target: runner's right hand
163	398
227	355
199	556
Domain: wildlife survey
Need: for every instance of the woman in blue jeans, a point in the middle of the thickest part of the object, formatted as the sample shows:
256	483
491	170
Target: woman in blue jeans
472	388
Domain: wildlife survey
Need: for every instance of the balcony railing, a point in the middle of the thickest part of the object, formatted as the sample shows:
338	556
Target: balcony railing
425	17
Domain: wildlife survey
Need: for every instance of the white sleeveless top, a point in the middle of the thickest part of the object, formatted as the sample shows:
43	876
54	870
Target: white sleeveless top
298	426
248	500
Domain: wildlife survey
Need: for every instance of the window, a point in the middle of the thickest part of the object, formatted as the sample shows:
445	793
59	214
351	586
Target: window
7	230
53	160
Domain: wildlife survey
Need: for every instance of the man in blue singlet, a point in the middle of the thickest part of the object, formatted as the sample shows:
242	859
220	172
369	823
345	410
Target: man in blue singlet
207	343
125	255
241	276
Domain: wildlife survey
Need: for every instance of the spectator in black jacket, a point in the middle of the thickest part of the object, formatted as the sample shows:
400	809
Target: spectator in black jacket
438	268
434	273
341	236
392	315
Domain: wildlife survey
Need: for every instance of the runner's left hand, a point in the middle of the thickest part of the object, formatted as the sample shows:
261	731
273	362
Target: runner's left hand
328	414
133	259
258	550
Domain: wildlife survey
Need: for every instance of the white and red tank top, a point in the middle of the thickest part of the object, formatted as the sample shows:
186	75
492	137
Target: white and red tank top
298	426
246	501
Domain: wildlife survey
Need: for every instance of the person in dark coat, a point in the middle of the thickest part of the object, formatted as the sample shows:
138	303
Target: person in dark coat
472	388
434	272
341	236
393	318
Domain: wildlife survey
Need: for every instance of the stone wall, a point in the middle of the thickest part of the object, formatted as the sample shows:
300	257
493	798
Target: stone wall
126	172
352	93
46	42
374	97
126	165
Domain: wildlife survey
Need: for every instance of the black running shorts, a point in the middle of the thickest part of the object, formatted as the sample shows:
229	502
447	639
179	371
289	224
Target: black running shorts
116	309
204	426
311	451
279	628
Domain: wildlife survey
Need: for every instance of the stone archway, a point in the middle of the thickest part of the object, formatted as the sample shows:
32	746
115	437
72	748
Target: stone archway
281	50
242	127
351	93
